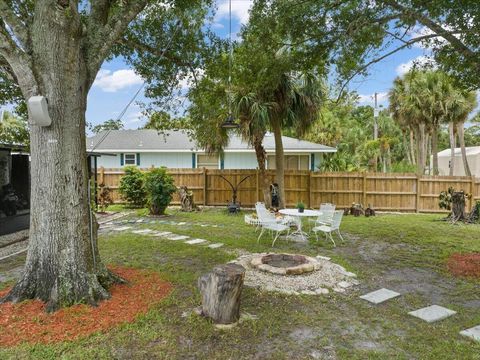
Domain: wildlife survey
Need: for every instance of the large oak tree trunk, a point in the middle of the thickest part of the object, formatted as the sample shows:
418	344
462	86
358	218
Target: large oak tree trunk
63	266
461	138
279	161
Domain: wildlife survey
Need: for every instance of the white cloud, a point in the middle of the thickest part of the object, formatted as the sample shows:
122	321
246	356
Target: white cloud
369	99
113	81
420	61
239	10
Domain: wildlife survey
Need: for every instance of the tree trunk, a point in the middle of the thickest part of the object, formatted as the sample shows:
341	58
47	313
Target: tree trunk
407	149
435	151
261	160
451	132
63	265
279	161
412	148
221	291
421	150
461	138
458	206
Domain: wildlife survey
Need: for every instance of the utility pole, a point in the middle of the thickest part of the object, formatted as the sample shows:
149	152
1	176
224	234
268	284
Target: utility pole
375	130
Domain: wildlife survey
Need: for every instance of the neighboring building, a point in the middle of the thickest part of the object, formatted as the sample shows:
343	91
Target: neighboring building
174	149
473	158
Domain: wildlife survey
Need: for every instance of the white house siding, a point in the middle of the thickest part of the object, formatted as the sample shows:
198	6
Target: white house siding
459	170
240	161
169	160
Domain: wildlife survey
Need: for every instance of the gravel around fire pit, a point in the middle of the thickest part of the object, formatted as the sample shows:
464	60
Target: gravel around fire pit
327	276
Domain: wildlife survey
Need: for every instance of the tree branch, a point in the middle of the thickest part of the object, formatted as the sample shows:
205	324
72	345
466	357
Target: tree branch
438	29
376	60
15	24
102	39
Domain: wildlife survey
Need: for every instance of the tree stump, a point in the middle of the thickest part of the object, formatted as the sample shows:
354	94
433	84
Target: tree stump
221	290
186	199
458	206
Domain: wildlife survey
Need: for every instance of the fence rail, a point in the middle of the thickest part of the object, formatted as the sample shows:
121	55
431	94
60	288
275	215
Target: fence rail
388	192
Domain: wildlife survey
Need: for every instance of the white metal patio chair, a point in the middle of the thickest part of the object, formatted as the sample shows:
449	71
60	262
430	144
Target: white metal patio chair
327	229
268	221
326	215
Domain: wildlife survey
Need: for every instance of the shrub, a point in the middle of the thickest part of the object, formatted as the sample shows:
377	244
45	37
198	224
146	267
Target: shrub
160	188
104	197
132	187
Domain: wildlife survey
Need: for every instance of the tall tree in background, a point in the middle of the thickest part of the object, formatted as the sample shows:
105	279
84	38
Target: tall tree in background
13	129
108	125
55	48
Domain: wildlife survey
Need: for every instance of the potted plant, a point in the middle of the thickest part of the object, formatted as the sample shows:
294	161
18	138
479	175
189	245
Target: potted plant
300	207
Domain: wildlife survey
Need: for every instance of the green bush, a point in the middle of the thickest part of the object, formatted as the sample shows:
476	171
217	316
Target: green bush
160	188
132	187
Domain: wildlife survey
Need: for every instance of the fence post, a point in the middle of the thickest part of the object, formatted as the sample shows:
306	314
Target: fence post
364	189
102	175
309	184
257	186
472	190
417	195
205	184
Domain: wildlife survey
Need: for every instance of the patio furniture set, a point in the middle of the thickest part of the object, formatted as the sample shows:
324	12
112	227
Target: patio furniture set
325	220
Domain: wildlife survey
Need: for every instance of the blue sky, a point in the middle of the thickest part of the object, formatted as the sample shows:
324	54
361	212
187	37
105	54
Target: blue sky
116	83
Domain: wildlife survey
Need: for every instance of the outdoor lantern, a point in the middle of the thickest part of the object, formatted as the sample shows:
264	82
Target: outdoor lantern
229	123
38	111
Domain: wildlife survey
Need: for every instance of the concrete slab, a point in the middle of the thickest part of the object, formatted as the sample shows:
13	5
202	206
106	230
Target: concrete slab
182	223
215	246
160	233
432	313
196	241
144	231
122	228
177	237
379	296
473	333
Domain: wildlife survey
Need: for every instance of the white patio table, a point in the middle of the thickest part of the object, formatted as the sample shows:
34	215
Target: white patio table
298	219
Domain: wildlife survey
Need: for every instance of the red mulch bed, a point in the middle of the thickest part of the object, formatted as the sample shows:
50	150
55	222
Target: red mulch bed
27	322
464	265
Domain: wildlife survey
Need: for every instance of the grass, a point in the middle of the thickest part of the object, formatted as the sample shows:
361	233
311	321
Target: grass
402	251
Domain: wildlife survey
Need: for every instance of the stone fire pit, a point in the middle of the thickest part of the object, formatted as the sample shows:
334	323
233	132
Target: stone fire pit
285	264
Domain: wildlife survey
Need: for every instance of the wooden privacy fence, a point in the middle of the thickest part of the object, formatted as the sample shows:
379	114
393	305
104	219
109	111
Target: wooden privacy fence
404	192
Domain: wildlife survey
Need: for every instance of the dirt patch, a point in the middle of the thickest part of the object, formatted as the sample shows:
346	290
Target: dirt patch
27	322
467	265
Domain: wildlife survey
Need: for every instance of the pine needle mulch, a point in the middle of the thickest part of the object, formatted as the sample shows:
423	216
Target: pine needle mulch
27	322
467	265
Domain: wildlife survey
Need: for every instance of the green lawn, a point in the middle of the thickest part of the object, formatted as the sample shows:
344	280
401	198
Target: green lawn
403	252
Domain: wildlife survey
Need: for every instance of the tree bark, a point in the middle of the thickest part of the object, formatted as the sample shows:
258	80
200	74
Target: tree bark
435	151
63	266
261	160
279	160
221	291
461	138
451	132
421	150
412	148
458	206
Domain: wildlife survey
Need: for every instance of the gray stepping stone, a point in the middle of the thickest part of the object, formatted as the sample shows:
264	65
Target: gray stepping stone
122	228
177	237
432	313
203	225
473	333
182	223
379	296
196	241
160	233
215	246
144	231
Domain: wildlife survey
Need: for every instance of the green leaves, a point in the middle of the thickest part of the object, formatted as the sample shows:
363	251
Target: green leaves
160	188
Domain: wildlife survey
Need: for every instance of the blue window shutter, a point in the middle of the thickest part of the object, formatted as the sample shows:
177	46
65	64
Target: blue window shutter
222	162
138	159
122	161
312	162
194	161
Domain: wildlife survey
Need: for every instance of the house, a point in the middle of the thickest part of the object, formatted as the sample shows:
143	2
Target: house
473	158
174	149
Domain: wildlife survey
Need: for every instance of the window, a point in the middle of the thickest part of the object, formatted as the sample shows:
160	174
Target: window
292	162
130	159
207	161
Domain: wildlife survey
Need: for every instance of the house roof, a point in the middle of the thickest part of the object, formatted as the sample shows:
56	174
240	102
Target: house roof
179	141
472	150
